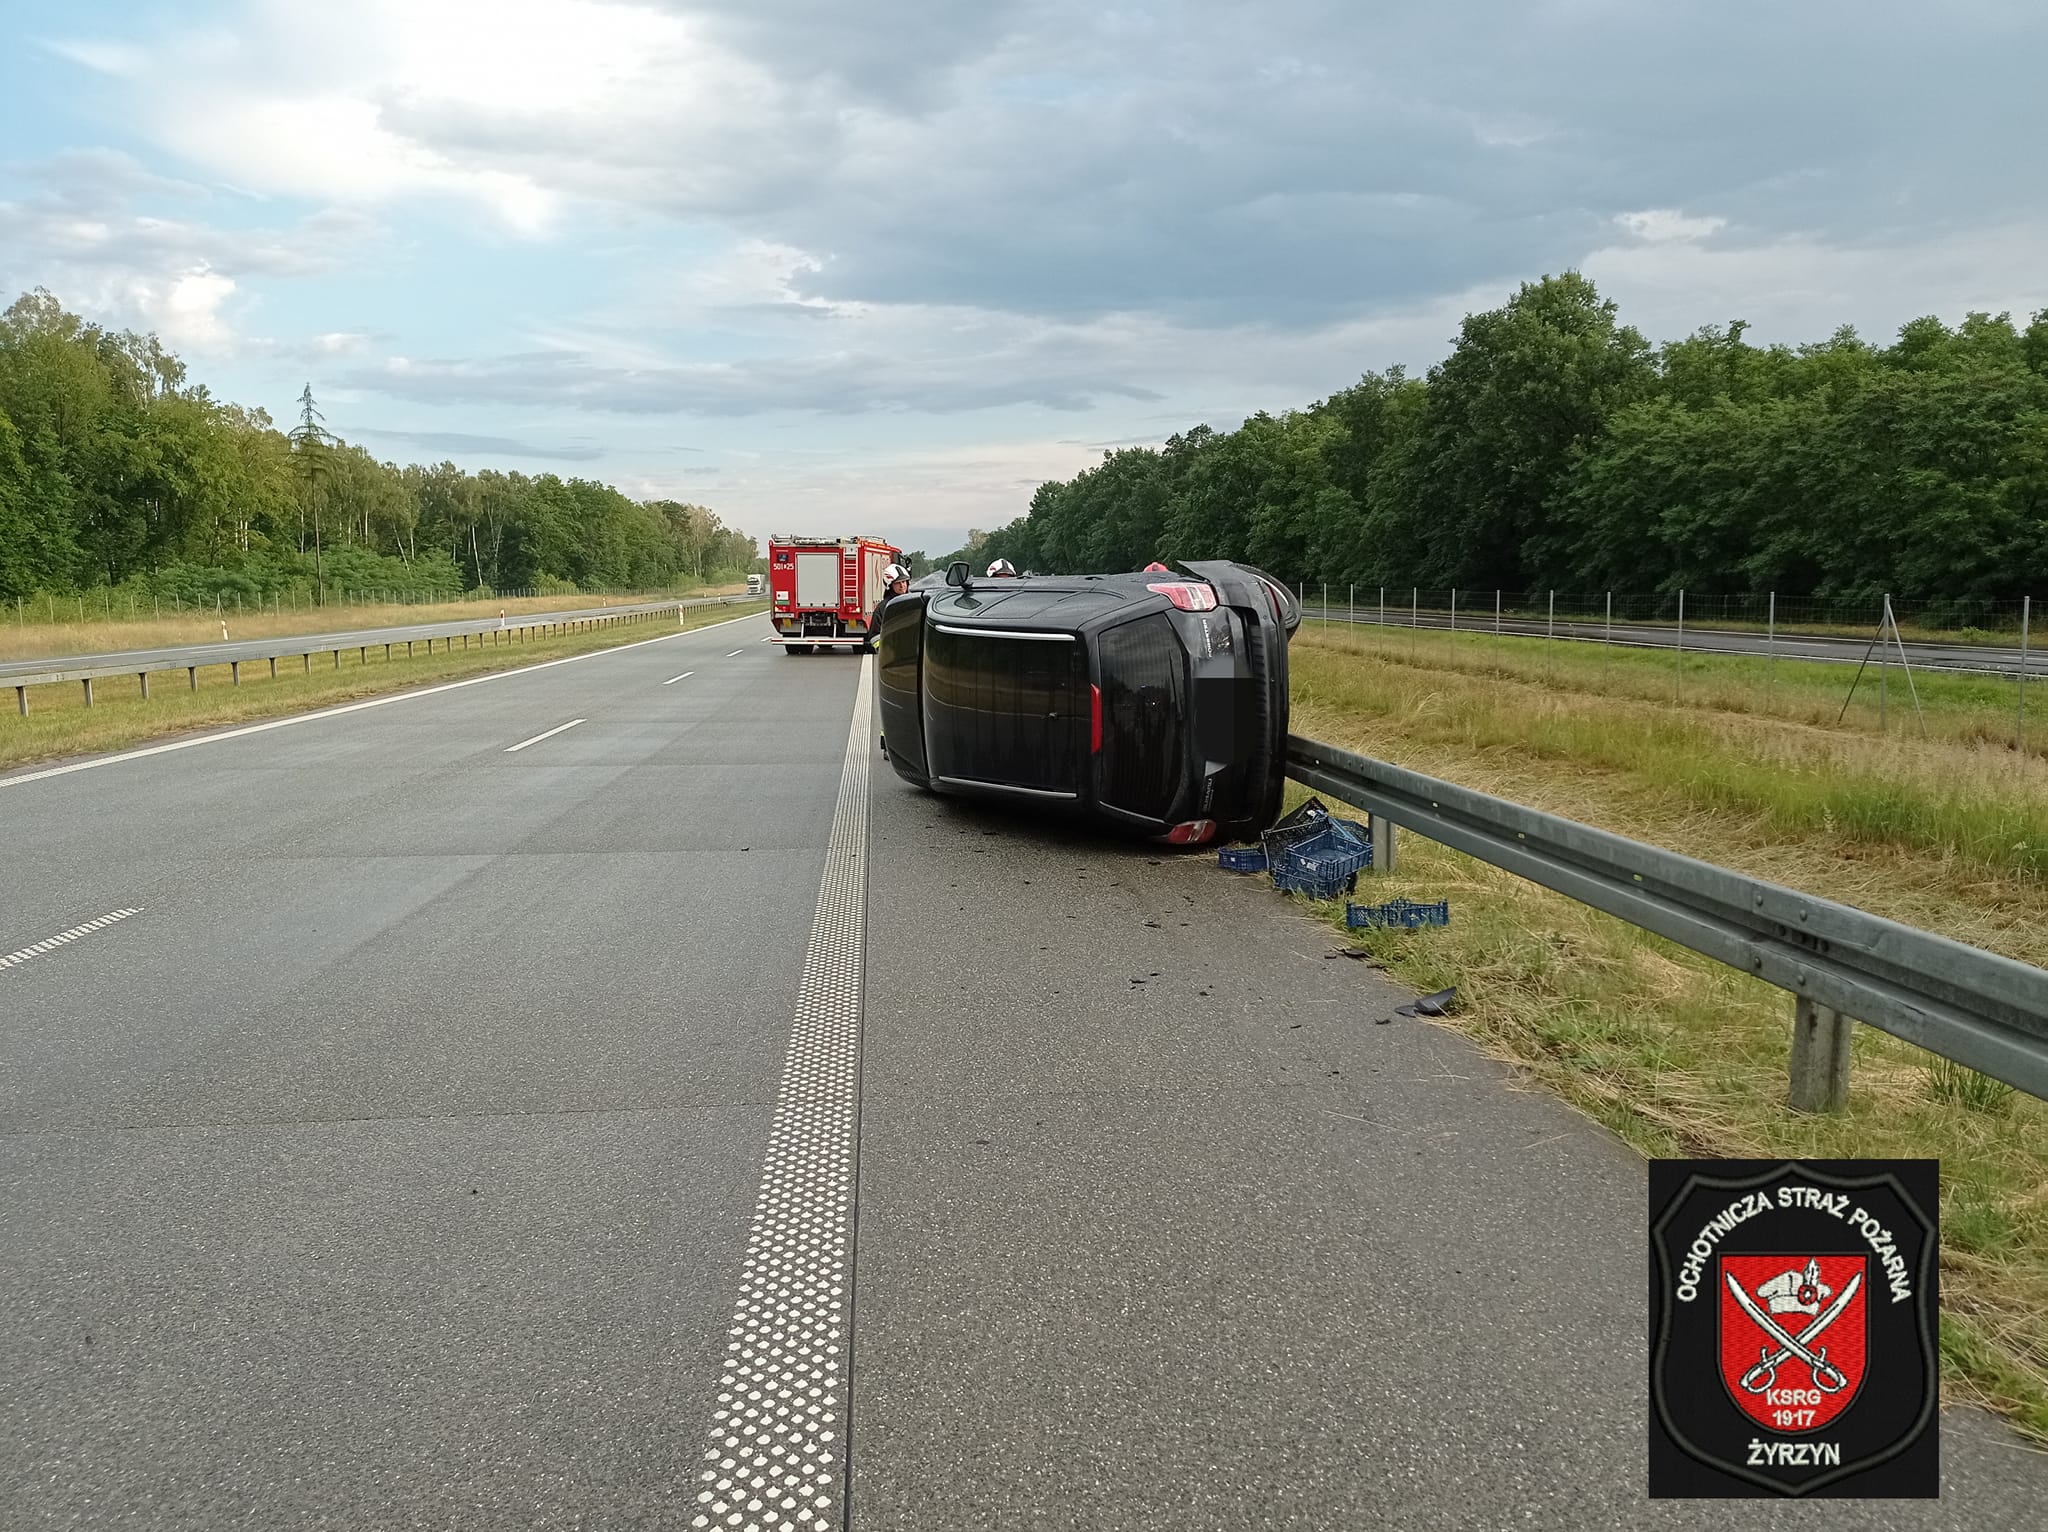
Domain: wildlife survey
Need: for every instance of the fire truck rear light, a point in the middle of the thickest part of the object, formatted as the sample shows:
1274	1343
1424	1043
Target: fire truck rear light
1188	597
1191	833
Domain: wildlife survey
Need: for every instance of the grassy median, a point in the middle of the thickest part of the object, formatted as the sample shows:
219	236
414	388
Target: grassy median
60	725
1676	1053
23	636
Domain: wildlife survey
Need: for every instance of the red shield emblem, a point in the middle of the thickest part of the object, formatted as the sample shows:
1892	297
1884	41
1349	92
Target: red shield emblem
1794	1341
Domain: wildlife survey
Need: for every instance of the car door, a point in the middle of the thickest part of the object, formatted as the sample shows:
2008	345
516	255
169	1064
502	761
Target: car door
900	683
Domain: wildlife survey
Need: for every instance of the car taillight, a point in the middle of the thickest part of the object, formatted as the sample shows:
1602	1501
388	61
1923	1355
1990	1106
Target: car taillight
1094	720
1186	595
1192	833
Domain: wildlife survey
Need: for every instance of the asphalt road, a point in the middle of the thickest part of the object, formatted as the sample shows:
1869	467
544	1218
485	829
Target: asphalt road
126	661
1985	659
459	1133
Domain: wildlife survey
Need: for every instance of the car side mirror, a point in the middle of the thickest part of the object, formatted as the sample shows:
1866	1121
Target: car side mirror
956	573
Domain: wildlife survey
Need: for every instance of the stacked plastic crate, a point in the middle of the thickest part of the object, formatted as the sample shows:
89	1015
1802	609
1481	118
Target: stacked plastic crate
1310	852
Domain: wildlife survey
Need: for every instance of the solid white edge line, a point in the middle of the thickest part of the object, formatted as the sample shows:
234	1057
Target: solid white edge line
351	707
557	729
683	677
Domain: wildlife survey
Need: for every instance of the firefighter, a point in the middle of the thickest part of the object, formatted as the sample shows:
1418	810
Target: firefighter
895	581
1002	569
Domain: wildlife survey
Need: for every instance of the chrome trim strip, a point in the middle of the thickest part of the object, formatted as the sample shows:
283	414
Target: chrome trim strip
1043	638
999	787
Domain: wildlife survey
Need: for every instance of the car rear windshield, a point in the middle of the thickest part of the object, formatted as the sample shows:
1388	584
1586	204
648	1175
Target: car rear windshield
1144	716
1007	710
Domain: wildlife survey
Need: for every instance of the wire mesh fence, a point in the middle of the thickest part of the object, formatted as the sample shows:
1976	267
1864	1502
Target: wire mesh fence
1983	658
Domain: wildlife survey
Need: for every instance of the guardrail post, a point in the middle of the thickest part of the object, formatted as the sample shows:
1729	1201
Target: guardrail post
88	691
21	699
143	677
235	670
1381	829
192	676
1820	1056
273	667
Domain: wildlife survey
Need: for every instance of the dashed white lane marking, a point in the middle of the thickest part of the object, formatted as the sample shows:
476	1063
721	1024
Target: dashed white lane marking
736	651
353	707
683	677
62	937
776	1457
557	729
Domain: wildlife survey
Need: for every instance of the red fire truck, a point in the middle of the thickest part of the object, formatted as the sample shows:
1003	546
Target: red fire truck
822	590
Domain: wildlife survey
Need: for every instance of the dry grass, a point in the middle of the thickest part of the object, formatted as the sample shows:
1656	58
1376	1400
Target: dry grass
61	725
1951	707
1678	1054
23	639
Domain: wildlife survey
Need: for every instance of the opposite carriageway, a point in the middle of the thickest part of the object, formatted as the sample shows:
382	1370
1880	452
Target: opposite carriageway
142	663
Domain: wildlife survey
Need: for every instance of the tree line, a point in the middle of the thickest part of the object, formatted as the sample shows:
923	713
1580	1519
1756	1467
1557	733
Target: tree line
1556	448
117	470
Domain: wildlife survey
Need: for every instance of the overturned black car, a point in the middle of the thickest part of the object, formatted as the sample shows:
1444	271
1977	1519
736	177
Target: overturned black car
1154	702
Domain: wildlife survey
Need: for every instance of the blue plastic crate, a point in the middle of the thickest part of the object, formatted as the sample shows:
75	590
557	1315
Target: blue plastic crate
1398	913
1326	864
1316	884
1241	859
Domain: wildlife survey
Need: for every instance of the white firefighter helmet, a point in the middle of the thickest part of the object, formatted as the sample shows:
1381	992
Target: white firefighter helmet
1001	569
894	573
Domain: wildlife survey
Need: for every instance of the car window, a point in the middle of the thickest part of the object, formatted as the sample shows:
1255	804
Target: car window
1144	715
1006	710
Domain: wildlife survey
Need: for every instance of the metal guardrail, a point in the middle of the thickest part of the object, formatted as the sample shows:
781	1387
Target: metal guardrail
142	663
1975	1007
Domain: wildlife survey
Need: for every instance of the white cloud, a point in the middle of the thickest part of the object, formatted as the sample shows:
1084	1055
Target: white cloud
1801	288
186	310
1665	226
83	235
122	60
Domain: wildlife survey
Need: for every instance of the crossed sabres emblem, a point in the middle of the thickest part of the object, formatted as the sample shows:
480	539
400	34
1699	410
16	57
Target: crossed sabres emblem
1798	1293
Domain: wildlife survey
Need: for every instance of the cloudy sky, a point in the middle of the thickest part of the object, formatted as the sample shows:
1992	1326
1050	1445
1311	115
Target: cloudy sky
884	266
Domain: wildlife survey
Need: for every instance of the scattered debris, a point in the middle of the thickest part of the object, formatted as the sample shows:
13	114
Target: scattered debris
1442	1003
1398	912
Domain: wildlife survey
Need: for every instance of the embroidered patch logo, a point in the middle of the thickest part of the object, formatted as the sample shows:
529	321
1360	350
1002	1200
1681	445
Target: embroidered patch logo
1793	1315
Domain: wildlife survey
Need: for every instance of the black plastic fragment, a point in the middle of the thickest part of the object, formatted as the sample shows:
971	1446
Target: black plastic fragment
1442	1003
